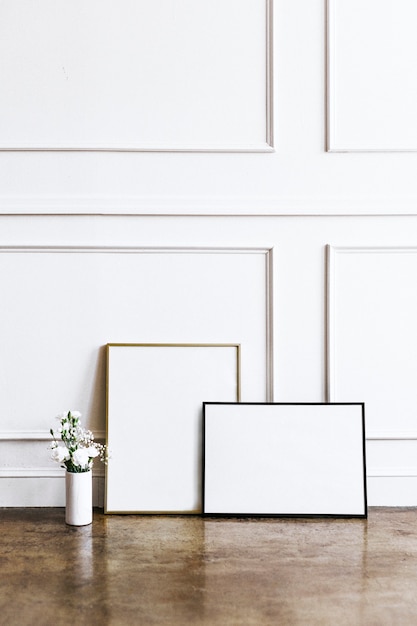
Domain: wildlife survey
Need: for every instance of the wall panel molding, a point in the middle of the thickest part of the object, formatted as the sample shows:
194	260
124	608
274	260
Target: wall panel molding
371	86
204	206
264	252
388	472
37	435
42	272
144	84
392	435
332	254
371	311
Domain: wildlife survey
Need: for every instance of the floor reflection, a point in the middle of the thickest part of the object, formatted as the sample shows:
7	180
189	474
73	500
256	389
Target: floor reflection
155	567
189	570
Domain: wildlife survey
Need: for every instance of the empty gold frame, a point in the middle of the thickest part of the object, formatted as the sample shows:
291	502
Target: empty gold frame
155	394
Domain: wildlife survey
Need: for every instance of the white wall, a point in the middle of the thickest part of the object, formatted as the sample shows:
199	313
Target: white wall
173	242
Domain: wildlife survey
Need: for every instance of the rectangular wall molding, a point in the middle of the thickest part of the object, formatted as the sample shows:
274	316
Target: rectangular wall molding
371	312
142	83
269	262
115	287
372	89
333	288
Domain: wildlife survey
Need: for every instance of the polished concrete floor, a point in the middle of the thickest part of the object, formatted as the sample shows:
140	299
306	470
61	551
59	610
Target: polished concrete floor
128	570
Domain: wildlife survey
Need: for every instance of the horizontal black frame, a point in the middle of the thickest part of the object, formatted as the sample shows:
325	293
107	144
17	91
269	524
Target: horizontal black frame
360	455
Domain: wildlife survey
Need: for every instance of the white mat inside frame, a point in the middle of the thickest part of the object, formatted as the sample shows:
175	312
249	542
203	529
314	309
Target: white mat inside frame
154	422
284	459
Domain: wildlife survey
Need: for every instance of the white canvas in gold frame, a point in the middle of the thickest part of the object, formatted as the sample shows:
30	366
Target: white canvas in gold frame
154	422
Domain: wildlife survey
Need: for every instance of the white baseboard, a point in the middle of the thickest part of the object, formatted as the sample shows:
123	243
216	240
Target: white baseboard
20	489
392	491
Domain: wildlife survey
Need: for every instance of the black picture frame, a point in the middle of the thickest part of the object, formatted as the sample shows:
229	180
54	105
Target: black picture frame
284	459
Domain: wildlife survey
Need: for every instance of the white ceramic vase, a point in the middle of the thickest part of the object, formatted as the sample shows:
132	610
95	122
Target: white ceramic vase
78	498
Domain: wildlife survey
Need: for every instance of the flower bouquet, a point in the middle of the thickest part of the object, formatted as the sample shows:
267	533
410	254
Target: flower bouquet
78	451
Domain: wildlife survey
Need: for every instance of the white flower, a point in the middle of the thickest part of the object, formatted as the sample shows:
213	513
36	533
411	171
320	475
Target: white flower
81	457
80	448
64	415
60	454
78	433
92	451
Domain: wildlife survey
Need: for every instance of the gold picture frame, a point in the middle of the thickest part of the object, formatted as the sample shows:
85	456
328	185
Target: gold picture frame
155	394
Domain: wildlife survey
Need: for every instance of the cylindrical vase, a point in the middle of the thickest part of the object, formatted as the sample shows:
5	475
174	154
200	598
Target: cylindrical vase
78	498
